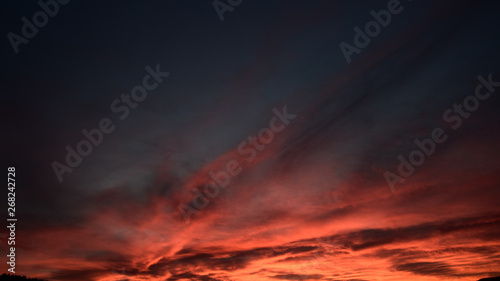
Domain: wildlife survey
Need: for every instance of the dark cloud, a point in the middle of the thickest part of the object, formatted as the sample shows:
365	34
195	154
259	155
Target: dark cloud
191	276
226	261
427	268
297	277
370	238
77	274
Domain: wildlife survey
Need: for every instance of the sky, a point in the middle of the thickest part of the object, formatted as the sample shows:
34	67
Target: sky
252	140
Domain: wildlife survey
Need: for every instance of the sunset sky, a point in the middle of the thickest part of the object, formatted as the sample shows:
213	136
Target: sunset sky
304	138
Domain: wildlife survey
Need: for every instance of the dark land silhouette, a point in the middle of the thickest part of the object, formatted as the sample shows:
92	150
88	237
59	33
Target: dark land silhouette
490	279
8	277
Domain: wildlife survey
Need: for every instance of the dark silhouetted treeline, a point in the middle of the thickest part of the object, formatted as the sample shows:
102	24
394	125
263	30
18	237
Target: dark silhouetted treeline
8	277
490	279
